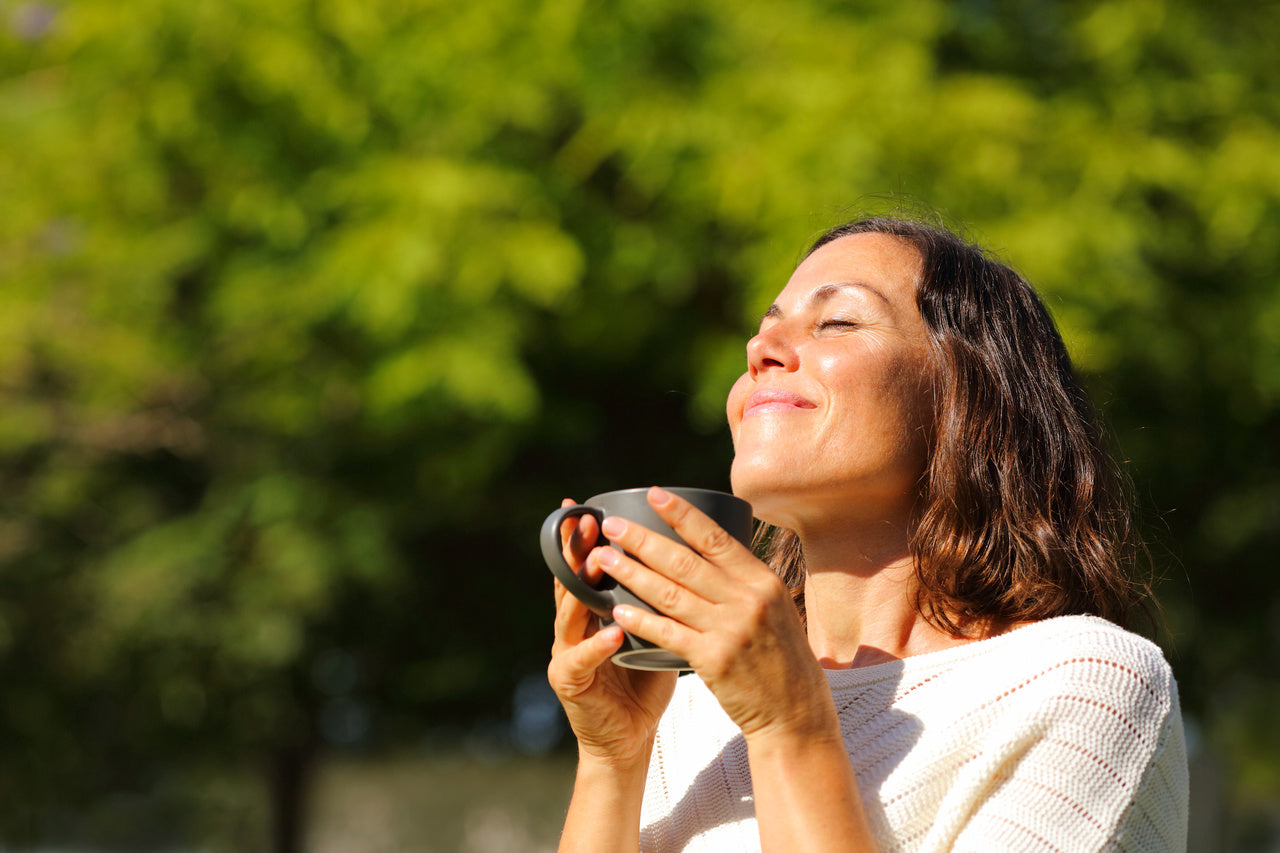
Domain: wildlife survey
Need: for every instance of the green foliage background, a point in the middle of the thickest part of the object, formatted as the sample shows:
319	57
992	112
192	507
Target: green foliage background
311	309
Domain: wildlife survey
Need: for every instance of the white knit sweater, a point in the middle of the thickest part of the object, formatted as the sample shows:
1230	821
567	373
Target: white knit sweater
1063	735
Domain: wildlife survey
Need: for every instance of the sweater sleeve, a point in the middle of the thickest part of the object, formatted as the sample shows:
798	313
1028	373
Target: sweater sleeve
1094	759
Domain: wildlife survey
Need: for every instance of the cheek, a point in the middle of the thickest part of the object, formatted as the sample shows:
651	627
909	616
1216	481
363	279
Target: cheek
915	381
913	404
733	406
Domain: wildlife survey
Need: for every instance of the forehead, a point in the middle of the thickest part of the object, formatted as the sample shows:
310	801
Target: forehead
889	264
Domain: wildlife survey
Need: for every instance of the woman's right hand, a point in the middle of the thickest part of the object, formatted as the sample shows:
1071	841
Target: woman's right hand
613	711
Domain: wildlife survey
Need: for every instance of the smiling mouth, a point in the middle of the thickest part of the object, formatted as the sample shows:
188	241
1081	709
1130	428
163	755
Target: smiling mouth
772	401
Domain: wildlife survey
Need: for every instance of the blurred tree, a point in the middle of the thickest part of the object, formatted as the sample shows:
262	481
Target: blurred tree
311	309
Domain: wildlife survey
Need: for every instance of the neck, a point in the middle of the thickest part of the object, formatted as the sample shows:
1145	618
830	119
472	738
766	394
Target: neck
860	597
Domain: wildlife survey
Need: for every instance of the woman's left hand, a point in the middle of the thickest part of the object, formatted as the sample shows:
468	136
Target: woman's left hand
725	612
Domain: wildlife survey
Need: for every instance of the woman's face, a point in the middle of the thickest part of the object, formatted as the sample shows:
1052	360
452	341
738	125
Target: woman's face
828	421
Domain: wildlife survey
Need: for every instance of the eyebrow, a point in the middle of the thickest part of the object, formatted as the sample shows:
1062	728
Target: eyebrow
825	292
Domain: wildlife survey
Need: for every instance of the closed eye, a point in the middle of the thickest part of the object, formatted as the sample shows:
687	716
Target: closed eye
838	323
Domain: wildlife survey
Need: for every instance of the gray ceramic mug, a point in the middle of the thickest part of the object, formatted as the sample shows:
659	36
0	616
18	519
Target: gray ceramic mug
731	513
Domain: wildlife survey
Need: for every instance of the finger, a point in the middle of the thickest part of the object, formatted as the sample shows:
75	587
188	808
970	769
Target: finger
568	527
572	669
573	622
561	593
592	571
703	535
669	558
584	538
668	634
577	535
666	595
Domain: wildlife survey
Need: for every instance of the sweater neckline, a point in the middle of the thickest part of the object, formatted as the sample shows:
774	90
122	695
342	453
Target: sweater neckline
858	676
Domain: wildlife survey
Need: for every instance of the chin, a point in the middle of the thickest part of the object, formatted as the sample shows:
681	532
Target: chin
761	488
787	493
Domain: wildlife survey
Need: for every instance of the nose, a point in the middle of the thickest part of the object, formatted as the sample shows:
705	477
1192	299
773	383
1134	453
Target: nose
771	349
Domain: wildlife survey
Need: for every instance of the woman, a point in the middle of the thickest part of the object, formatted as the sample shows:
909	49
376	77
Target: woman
931	660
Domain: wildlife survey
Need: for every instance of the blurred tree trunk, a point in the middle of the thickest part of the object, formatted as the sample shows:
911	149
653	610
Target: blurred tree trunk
290	777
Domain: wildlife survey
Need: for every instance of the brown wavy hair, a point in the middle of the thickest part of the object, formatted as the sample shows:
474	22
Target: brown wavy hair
1022	514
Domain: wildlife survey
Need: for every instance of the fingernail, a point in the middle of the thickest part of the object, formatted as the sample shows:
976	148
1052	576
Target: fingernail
659	496
606	557
622	613
613	526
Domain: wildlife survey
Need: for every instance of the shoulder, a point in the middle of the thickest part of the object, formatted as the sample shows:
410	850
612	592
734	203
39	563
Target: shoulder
1069	662
1093	633
1084	723
1092	687
1087	651
1053	655
1070	673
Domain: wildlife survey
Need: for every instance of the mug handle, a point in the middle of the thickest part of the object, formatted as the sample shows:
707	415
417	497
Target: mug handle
600	602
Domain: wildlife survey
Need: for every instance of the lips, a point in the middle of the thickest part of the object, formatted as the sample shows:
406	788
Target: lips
767	400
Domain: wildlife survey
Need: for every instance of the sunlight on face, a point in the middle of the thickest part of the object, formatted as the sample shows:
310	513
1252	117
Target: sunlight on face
828	419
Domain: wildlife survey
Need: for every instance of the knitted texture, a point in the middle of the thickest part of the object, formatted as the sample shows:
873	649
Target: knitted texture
1064	735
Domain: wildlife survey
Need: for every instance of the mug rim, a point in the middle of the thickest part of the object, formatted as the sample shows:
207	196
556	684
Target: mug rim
679	490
